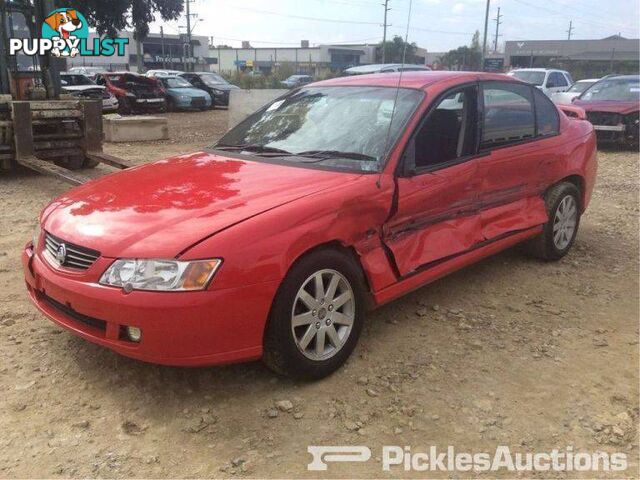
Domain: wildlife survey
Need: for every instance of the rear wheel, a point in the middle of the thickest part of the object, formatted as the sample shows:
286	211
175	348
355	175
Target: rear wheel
563	208
316	317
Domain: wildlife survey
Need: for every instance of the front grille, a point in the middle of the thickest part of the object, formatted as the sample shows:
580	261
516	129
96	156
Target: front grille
198	102
604	118
71	313
79	258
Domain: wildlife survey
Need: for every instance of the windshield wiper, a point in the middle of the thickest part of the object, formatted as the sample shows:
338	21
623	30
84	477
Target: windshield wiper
332	154
252	148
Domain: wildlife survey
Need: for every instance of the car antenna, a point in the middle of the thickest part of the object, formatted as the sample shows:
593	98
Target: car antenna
395	101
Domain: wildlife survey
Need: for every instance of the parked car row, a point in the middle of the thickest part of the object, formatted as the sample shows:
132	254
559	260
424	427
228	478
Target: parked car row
157	91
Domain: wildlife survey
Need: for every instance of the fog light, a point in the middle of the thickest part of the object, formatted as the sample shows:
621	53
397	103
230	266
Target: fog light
134	334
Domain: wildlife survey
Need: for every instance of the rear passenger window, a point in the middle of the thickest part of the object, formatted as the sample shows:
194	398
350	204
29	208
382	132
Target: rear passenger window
508	114
547	118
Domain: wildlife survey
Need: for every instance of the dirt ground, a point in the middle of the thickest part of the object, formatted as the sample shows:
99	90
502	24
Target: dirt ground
511	351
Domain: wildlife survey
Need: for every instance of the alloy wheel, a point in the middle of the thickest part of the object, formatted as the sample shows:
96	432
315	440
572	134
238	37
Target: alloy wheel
323	314
564	222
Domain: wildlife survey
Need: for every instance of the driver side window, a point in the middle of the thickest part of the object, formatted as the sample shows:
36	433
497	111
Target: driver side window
449	131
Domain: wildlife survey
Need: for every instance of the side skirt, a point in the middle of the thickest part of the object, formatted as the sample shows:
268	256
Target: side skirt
439	269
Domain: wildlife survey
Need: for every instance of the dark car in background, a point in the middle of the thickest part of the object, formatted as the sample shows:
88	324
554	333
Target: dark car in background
82	87
135	93
212	83
613	107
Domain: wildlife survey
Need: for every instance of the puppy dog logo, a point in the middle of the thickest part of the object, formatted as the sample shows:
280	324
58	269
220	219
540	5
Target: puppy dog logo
68	26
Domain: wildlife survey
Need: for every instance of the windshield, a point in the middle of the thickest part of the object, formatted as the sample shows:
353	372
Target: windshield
176	83
342	127
212	79
615	90
76	80
579	87
536	78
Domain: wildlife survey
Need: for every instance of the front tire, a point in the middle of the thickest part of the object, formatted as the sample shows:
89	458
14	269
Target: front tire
563	208
316	317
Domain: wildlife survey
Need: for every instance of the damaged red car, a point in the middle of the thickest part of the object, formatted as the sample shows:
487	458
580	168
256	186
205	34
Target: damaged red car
334	199
135	93
613	107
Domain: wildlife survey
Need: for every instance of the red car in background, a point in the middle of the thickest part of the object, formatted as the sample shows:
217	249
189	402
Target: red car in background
338	197
613	107
135	93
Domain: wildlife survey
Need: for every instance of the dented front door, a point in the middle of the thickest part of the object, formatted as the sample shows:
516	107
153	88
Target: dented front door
436	217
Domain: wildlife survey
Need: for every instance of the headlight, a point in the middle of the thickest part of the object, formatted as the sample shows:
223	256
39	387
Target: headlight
217	92
36	235
160	275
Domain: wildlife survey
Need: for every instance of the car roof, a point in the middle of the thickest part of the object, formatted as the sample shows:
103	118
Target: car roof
415	79
538	70
630	77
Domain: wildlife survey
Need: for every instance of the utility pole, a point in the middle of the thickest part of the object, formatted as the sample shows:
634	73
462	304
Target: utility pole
164	60
571	29
484	41
384	36
498	23
189	53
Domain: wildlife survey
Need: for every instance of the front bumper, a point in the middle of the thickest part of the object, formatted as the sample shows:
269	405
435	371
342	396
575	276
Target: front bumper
194	102
221	99
110	105
182	329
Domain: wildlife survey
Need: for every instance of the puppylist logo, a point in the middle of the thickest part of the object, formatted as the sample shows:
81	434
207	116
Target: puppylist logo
65	33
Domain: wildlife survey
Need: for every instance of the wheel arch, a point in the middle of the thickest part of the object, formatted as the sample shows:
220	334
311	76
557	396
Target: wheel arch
576	180
346	250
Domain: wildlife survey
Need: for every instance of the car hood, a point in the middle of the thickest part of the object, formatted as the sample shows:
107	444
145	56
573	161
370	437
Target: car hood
161	209
623	108
192	92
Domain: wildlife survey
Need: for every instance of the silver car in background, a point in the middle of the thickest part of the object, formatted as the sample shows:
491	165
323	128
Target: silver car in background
566	98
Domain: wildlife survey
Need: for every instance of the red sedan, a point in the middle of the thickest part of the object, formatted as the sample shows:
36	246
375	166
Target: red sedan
336	198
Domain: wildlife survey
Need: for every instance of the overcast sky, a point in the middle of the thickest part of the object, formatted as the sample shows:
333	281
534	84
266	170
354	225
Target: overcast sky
437	25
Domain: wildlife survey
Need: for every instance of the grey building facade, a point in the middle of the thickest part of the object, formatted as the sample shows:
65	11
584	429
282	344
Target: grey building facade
543	53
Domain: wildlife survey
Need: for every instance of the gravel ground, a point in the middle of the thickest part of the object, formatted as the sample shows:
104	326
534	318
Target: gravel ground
510	352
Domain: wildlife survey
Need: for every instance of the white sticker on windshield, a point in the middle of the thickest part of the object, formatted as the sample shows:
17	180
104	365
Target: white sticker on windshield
275	106
634	89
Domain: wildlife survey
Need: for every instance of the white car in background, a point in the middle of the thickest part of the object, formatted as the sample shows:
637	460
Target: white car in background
163	73
548	80
565	98
81	86
385	68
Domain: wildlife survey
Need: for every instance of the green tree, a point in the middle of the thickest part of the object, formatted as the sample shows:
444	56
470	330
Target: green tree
395	51
464	57
110	16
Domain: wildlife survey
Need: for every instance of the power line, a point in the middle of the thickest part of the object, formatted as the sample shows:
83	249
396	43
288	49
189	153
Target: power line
301	17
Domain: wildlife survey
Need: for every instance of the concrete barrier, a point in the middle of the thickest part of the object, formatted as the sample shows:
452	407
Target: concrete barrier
243	103
134	128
